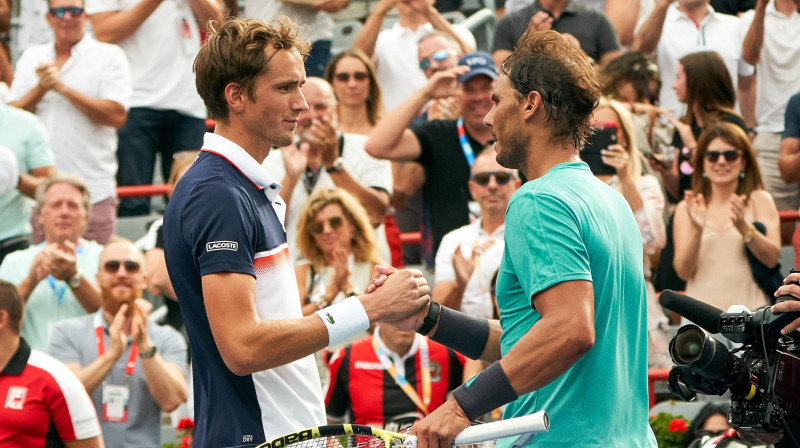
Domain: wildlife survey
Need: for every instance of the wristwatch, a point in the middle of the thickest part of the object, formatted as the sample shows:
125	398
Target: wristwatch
75	280
149	353
337	167
751	233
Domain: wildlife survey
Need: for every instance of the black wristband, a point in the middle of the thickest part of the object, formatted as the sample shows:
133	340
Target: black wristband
486	392
463	333
430	319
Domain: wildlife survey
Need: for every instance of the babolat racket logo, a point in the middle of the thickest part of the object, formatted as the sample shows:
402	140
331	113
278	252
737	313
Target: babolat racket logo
222	245
289	439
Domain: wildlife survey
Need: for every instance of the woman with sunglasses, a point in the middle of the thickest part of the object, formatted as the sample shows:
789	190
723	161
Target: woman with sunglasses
339	249
714	223
645	196
360	101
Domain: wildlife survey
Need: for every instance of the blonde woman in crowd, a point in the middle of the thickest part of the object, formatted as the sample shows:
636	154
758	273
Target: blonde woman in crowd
645	196
339	249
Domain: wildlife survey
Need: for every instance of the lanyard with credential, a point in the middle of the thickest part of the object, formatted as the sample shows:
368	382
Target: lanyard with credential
465	145
401	381
101	346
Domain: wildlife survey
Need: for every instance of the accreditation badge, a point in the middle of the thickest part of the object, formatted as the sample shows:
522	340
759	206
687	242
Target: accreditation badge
115	402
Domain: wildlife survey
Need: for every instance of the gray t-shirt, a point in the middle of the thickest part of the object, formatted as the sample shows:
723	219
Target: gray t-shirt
590	26
73	340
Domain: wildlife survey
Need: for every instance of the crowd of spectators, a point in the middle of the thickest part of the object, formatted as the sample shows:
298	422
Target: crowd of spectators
705	95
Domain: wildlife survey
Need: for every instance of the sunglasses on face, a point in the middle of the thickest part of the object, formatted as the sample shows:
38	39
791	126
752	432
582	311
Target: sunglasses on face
501	177
74	11
318	227
112	266
345	77
730	155
438	56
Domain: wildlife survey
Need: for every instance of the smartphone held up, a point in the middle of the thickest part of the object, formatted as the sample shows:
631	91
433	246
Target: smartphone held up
601	140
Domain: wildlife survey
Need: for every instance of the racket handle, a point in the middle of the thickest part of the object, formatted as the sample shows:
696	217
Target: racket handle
533	423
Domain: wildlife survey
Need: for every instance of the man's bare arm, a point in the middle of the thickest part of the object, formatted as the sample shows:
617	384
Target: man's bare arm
623	15
789	159
646	40
754	39
101	111
206	12
368	35
116	26
29	182
250	344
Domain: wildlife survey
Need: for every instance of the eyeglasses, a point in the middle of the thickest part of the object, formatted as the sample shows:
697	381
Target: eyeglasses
345	77
438	56
112	266
318	227
74	11
730	155
501	177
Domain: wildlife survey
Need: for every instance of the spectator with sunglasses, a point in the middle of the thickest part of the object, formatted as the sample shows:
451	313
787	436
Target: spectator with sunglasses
339	249
469	256
394	50
80	89
714	223
132	368
54	277
445	148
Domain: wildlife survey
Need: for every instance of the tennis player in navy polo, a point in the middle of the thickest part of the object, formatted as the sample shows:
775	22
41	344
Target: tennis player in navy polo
226	252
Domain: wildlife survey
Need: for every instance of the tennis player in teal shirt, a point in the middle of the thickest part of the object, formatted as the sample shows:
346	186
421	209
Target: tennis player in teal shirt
571	339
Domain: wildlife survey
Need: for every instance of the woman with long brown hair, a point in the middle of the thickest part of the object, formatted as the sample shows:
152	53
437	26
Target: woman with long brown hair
704	84
714	224
354	81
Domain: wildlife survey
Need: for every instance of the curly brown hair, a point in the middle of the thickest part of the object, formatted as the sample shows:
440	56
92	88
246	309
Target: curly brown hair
236	53
545	62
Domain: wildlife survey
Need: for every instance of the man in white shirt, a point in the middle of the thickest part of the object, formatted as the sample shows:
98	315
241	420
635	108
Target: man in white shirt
469	256
79	88
394	49
772	44
320	158
161	39
676	28
315	14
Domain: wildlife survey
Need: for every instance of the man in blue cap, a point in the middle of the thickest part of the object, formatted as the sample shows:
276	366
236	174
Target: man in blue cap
445	148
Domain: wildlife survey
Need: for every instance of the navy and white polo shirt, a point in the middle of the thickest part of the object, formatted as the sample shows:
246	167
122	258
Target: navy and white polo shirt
226	216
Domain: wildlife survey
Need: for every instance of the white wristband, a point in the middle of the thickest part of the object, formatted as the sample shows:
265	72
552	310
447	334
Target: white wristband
344	320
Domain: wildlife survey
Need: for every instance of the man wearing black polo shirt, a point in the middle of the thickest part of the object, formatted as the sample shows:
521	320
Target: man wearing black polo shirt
445	148
227	257
590	27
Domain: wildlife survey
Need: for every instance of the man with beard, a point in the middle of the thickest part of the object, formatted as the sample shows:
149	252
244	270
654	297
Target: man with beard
132	368
570	287
445	148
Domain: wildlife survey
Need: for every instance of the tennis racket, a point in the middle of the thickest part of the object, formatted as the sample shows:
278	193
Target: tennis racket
361	436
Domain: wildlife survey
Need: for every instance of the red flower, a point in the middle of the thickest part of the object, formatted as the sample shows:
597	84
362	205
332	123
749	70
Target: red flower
187	441
185	424
677	425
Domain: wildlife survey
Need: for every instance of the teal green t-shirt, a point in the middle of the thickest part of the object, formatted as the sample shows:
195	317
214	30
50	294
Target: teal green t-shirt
568	225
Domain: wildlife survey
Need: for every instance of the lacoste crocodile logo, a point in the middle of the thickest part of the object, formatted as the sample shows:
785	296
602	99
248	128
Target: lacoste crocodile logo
330	318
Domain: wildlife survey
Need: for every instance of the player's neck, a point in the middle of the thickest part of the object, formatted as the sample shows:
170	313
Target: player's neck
9	344
544	155
257	147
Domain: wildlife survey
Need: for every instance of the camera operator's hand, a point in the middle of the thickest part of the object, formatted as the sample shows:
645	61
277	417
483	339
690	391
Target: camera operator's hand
791	287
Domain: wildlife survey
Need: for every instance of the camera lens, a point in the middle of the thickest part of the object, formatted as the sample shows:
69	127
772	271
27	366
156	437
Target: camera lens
688	346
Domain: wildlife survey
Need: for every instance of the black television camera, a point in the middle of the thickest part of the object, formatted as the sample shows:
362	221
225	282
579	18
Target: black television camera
764	380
